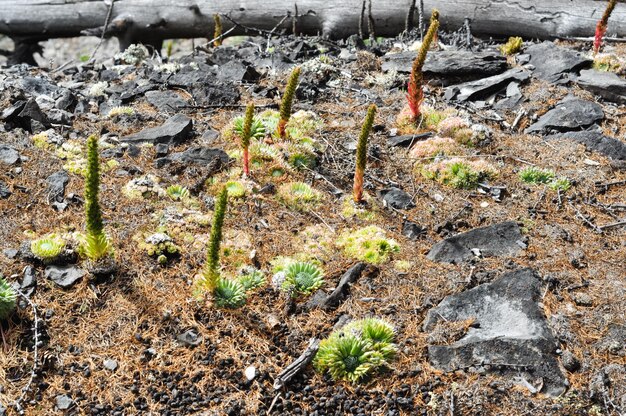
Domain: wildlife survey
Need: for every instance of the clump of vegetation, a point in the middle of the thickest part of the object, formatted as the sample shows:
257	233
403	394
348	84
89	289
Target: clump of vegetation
247	127
161	246
168	49
560	184
287	101
513	46
252	280
121	111
435	146
235	189
217	33
8	298
606	62
602	26
361	155
299	196
177	192
48	248
459	173
368	244
299	159
415	93
456	128
536	175
229	294
302	278
96	244
357	350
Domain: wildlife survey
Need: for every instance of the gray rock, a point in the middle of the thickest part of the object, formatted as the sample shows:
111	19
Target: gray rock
64	276
236	71
38	86
190	338
510	333
161	150
596	141
63	402
569	114
32	113
210	136
396	198
11	253
8	155
166	101
199	155
412	231
582	299
5	192
570	362
110	364
453	63
502	239
605	84
175	130
614	341
56	185
485	87
552	62
409	139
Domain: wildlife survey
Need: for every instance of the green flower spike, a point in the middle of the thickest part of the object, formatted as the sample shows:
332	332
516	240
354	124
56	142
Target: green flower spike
361	154
211	275
285	105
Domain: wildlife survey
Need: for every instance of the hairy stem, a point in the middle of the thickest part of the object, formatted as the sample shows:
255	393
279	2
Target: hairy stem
361	154
285	105
211	271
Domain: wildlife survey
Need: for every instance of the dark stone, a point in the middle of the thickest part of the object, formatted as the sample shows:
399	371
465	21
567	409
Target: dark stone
112	152
56	185
161	150
552	62
63	402
31	112
38	86
190	338
165	100
510	332
210	136
327	302
213	94
11	253
10	113
66	101
605	84
199	156
396	198
569	114
412	231
187	76
5	192
485	87
237	71
8	155
409	139
64	276
570	362
453	63
30	278
175	130
596	141
502	239
614	341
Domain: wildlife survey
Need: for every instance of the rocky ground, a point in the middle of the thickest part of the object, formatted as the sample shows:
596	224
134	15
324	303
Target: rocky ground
507	297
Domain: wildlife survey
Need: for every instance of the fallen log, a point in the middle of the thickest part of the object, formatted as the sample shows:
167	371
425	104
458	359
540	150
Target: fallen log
151	21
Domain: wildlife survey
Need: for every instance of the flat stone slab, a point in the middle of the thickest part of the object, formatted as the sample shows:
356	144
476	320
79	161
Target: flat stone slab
596	141
502	239
64	276
509	333
569	114
607	85
552	62
485	87
8	154
165	100
200	155
449	63
175	130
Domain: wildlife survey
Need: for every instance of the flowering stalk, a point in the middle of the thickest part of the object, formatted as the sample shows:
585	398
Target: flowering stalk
210	274
602	26
435	18
245	138
285	105
415	93
217	34
361	154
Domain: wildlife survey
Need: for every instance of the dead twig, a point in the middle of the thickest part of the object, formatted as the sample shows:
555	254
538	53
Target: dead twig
107	20
613	225
585	219
18	402
298	365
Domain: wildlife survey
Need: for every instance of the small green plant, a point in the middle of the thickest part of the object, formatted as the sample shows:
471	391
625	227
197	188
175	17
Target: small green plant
368	244
48	248
177	192
415	92
302	278
298	196
535	175
356	350
459	173
119	111
602	26
229	294
513	46
301	160
607	63
96	244
252	280
246	128
235	189
285	105
560	184
8	298
168	49
361	155
217	33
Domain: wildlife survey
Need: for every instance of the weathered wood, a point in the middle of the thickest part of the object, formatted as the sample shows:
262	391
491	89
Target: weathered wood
154	20
294	368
